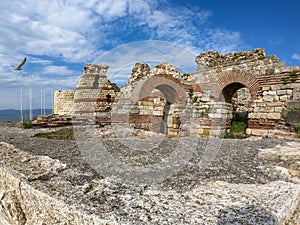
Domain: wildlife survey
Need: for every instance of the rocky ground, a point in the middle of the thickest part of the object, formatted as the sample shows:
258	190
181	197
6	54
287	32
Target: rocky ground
233	184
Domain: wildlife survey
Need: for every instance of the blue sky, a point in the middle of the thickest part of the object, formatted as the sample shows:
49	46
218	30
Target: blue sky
59	37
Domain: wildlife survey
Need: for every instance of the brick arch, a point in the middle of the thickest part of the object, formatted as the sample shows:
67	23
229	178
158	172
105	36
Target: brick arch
173	90
230	82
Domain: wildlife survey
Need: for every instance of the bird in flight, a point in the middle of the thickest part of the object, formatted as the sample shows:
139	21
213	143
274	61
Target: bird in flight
19	67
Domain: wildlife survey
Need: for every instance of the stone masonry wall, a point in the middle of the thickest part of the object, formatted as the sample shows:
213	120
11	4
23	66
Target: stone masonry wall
256	62
270	110
273	87
94	93
163	100
64	102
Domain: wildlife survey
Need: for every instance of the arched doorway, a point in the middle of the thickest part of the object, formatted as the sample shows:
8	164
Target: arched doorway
172	94
231	89
229	86
161	110
238	99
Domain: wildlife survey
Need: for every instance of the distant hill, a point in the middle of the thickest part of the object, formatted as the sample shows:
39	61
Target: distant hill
13	115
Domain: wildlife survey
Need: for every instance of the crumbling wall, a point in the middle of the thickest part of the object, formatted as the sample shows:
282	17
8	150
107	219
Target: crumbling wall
273	87
210	95
211	65
94	93
149	100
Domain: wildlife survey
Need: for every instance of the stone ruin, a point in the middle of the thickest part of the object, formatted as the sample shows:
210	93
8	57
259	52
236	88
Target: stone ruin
201	103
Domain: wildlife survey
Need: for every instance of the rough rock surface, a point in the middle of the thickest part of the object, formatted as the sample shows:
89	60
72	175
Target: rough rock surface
49	180
284	158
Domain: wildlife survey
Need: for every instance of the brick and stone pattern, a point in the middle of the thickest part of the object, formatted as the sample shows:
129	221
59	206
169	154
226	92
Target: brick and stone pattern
269	109
272	86
201	103
94	93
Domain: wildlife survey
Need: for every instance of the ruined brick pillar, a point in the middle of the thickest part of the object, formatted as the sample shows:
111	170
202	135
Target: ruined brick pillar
94	93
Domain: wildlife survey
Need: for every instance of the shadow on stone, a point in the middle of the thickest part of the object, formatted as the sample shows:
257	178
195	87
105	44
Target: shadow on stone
248	215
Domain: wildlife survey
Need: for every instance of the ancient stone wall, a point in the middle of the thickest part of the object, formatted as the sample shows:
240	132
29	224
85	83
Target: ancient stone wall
64	102
273	87
270	109
150	99
94	93
202	103
256	62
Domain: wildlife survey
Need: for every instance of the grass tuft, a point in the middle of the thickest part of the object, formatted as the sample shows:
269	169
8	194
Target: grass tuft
62	134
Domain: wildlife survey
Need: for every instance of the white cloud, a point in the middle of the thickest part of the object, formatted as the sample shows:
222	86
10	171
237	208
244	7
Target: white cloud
111	8
296	56
77	32
33	27
58	70
40	61
222	40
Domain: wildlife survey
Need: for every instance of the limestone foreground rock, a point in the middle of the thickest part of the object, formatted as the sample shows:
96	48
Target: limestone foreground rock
34	190
286	156
21	203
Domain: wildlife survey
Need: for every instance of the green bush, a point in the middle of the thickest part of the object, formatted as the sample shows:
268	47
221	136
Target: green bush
240	117
192	97
27	124
284	114
238	127
284	80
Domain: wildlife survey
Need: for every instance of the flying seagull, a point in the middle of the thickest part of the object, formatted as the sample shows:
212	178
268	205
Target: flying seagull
19	67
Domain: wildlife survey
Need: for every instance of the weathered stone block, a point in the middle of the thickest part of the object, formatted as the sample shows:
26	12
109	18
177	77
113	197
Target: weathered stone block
271	92
275	104
268	98
259	132
273	116
248	131
267	109
266	88
289	92
281	92
254	115
275	87
278	109
146	103
157	113
283	98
